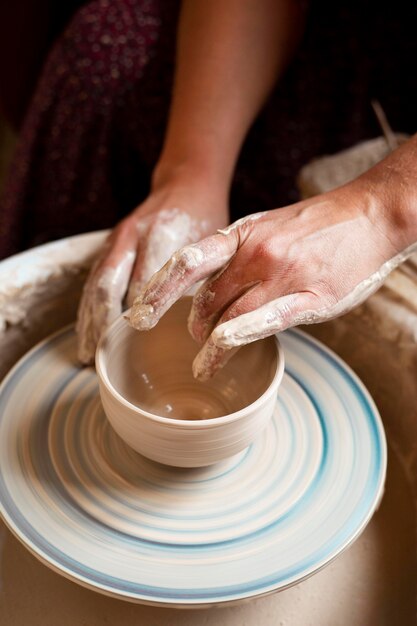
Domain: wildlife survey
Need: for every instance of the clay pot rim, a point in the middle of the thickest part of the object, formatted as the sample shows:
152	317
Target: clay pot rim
272	388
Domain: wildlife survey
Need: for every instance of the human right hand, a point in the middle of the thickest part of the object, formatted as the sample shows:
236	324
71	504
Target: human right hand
304	263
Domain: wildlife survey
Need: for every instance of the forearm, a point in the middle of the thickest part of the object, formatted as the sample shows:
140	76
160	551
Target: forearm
393	182
229	56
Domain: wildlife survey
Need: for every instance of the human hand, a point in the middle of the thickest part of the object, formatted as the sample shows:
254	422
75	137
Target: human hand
175	214
305	263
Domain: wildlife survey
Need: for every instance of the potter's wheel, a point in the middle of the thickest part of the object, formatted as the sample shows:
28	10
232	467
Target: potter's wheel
98	513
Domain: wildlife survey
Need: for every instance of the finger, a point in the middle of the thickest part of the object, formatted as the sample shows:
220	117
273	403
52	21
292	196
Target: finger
170	231
85	318
137	280
272	317
215	296
109	291
83	328
186	267
101	304
212	357
122	241
248	319
104	291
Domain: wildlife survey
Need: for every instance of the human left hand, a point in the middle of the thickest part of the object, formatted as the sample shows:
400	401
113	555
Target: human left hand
176	213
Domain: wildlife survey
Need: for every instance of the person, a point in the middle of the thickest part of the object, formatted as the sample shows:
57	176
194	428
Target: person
217	93
93	141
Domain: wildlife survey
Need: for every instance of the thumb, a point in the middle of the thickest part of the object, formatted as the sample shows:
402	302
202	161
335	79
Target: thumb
186	267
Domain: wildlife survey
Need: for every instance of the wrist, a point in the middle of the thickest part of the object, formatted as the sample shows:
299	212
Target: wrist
392	185
186	187
190	174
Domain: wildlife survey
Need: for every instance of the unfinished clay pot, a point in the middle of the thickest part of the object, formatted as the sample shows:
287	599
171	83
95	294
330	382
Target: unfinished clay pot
159	409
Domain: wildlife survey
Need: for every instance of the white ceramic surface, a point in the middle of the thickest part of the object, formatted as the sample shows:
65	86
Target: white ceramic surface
159	409
91	508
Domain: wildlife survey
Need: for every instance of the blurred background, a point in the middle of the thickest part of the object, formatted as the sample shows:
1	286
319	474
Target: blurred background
27	31
7	143
91	125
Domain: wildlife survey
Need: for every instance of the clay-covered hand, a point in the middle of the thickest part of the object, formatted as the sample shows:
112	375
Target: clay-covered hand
172	216
304	263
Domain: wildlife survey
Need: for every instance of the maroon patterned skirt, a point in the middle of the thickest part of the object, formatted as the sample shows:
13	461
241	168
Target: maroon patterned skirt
94	127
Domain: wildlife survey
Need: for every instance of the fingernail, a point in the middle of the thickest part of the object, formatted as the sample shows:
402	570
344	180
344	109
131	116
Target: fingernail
142	316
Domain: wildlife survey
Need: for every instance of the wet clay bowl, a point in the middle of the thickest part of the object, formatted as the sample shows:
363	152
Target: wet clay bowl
156	406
